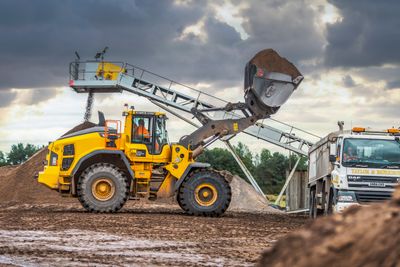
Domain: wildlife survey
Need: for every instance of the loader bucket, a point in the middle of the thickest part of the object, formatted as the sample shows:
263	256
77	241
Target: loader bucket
269	82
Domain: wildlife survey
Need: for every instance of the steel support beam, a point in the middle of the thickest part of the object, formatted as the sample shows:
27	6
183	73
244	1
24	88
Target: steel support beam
246	171
278	200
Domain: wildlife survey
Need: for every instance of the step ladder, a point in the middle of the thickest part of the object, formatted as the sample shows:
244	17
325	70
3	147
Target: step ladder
179	99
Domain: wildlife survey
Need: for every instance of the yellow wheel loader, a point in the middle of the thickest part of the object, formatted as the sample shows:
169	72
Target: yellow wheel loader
104	165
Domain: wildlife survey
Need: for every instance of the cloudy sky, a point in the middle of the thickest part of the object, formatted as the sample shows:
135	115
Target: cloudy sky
348	52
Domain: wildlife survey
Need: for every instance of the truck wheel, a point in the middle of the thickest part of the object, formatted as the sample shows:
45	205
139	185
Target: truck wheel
313	204
204	193
102	188
329	203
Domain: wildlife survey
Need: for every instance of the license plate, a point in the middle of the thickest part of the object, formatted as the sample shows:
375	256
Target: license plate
376	184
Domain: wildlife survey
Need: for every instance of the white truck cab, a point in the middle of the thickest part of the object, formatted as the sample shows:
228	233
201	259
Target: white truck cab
354	167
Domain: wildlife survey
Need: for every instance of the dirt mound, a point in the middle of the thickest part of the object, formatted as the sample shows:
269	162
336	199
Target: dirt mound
20	186
18	183
361	236
79	127
246	199
273	62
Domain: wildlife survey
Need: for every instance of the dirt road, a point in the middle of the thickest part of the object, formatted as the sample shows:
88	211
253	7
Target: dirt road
141	234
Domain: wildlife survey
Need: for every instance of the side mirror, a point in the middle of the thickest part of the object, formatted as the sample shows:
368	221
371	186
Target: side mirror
332	158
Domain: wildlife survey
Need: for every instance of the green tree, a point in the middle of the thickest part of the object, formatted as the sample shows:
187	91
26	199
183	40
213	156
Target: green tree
20	153
303	164
3	160
271	172
220	159
245	155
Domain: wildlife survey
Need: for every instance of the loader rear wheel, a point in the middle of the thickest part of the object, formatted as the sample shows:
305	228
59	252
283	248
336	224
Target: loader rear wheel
102	188
204	193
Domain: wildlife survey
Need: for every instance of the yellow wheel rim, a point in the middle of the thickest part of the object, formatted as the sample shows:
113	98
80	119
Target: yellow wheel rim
205	194
103	189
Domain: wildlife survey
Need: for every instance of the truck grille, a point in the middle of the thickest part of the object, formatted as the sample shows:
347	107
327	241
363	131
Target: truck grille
372	182
365	197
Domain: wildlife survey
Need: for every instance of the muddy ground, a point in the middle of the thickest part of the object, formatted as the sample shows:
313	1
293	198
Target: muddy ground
141	234
40	228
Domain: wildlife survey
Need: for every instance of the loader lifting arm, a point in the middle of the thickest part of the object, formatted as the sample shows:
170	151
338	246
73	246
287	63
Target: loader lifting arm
265	91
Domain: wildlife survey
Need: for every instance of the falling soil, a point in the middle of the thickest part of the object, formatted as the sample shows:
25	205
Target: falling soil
273	62
361	236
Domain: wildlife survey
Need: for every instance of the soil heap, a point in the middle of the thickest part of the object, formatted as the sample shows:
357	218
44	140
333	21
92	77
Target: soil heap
18	183
79	127
270	60
246	199
361	236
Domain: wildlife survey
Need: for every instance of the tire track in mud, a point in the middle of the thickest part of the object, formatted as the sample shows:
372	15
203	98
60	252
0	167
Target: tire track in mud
145	234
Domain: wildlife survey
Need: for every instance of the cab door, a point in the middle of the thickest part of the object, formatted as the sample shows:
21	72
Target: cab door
141	144
162	149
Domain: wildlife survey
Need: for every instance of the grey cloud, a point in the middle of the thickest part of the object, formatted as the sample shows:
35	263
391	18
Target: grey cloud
368	35
288	26
40	37
348	81
38	95
395	84
7	97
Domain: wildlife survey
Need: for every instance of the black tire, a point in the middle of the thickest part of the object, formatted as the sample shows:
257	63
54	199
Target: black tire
103	173
314	211
193	202
329	203
313	204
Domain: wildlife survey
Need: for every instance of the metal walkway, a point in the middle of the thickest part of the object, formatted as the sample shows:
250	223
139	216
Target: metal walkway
85	78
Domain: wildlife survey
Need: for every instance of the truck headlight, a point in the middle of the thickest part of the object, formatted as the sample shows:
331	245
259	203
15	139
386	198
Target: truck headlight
345	199
346	196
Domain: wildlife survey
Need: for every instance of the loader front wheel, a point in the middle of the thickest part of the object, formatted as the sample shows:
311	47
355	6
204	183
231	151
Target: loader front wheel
102	188
204	193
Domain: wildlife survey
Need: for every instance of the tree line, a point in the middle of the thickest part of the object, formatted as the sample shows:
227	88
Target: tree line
18	154
269	169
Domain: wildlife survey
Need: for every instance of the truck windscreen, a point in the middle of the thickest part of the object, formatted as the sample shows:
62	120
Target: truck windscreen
371	153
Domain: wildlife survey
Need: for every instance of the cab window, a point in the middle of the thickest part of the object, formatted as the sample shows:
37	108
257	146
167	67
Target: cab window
142	131
161	136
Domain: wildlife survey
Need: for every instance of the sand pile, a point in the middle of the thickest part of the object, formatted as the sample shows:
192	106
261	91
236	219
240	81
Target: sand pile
246	199
361	236
270	60
18	183
20	186
79	127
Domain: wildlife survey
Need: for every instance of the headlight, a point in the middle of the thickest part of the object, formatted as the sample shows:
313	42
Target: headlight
69	150
346	196
345	199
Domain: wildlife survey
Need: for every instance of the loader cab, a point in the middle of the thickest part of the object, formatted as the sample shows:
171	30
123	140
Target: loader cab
149	128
